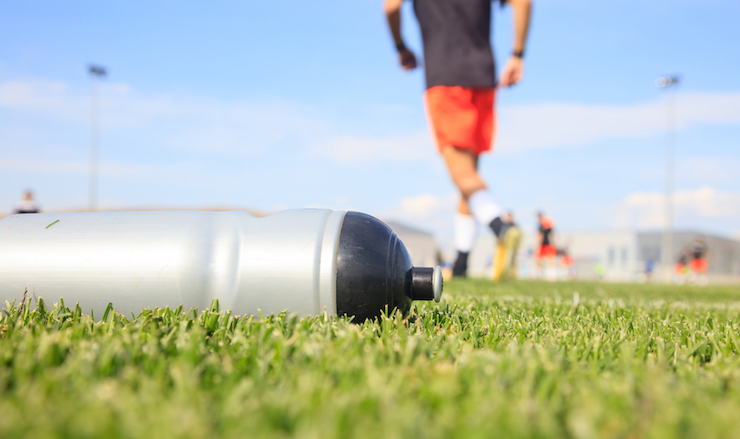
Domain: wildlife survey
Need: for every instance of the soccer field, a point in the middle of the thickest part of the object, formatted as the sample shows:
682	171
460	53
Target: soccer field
524	359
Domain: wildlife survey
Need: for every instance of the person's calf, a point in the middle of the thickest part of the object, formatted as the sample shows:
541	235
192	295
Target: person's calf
460	268
465	231
463	168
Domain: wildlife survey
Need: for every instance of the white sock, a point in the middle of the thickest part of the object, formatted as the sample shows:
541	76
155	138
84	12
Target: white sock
483	207
465	231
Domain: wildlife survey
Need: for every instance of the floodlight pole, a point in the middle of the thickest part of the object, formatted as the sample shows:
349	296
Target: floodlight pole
669	83
96	73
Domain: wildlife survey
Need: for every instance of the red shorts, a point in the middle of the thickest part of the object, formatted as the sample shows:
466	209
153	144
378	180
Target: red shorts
699	265
547	251
461	117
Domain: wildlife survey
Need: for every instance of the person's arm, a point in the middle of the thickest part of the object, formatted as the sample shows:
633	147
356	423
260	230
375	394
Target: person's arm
514	67
393	14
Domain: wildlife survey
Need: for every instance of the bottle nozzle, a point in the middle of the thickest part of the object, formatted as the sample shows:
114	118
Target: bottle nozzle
426	283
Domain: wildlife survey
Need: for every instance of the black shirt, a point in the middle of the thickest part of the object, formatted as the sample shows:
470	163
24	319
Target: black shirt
546	231
457	46
698	250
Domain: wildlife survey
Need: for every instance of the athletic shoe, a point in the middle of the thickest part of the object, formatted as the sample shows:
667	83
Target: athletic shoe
504	266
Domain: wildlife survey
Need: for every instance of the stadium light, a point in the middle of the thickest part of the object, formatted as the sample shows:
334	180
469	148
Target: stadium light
669	83
666	81
96	73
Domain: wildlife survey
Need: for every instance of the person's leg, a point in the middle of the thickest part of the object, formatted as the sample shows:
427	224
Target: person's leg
455	115
465	232
551	273
462	165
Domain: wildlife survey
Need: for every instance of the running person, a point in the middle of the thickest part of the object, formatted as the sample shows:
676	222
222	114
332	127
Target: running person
700	260
546	246
680	270
460	94
546	252
505	263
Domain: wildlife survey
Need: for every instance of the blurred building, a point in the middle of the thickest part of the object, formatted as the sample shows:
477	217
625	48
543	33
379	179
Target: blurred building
615	252
625	256
421	245
616	256
725	252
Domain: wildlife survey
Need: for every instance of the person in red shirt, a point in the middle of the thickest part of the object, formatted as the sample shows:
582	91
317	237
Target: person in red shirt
546	251
699	256
680	270
566	263
460	93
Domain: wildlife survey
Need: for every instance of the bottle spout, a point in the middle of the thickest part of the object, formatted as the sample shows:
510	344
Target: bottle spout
374	271
426	283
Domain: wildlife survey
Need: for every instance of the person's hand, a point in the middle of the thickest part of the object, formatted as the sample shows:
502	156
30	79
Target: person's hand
407	59
512	72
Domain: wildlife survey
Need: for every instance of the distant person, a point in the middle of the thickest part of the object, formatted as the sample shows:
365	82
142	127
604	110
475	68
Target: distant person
699	259
27	204
649	269
700	254
599	270
681	268
546	252
505	263
460	94
566	263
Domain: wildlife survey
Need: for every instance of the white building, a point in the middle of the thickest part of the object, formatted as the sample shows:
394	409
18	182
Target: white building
620	256
615	252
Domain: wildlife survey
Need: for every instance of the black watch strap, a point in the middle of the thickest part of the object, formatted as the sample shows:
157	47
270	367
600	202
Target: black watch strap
400	47
518	54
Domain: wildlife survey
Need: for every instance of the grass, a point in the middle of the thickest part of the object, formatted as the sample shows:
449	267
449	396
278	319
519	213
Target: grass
524	359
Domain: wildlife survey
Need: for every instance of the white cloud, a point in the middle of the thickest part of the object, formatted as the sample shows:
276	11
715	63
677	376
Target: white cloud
562	124
111	169
33	94
709	170
646	210
208	125
352	149
426	212
247	128
424	205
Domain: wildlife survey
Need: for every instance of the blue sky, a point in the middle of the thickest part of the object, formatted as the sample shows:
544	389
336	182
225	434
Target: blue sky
272	105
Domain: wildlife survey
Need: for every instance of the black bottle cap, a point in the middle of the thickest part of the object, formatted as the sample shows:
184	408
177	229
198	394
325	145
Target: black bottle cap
374	271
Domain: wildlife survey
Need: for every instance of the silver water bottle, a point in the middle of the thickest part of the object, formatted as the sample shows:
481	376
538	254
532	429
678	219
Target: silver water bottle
304	261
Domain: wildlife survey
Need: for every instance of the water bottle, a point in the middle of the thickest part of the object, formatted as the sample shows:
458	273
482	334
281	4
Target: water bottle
306	261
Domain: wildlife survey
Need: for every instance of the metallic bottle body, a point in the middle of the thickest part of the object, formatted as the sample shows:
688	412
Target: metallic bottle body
286	261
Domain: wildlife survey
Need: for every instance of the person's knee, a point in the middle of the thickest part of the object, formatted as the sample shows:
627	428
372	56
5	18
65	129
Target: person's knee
468	183
462	165
463	177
